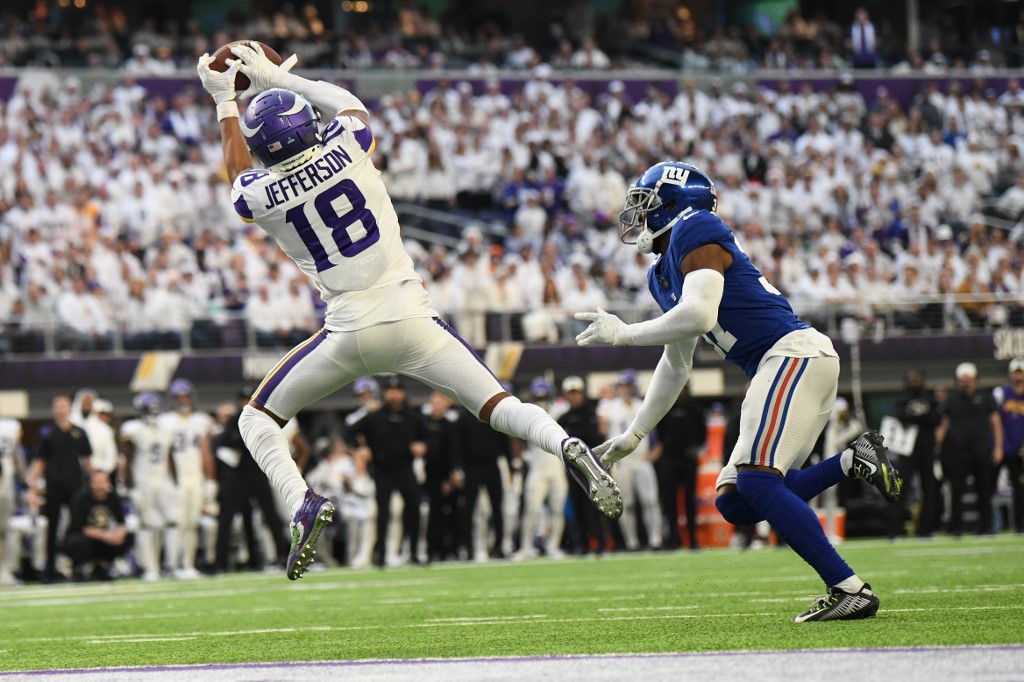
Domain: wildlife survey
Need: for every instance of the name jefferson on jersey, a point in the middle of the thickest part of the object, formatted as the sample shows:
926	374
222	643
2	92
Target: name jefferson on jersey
334	218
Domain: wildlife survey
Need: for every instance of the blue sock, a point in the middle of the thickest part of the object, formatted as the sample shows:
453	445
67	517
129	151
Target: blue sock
805	483
795	523
810	482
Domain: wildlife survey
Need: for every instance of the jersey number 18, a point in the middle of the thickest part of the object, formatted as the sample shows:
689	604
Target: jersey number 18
350	232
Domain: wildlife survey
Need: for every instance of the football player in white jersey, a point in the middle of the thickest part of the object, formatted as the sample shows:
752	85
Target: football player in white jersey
320	197
147	447
10	439
545	482
193	466
635	474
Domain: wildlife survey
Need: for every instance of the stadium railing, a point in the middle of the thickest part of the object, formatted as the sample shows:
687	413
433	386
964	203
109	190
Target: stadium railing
899	315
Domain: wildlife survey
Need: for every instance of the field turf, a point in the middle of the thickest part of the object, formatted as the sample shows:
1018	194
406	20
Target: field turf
934	593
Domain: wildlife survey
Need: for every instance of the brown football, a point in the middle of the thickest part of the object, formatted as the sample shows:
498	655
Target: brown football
224	53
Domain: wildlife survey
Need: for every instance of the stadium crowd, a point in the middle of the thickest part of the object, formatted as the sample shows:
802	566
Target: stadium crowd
577	35
115	226
169	490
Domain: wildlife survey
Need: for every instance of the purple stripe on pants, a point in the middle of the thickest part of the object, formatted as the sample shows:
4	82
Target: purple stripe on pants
274	379
445	326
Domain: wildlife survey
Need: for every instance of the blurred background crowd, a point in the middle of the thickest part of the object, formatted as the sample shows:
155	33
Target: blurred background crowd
116	229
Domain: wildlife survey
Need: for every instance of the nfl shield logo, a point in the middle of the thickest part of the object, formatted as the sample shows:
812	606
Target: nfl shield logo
274	146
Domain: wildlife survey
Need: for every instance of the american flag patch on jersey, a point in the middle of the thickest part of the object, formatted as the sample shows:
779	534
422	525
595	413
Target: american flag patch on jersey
274	146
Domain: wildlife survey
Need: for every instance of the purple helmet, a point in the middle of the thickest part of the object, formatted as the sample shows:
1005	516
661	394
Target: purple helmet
540	387
279	125
181	387
365	384
627	377
147	404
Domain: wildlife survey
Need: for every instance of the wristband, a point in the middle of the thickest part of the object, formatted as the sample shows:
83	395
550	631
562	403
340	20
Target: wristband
227	110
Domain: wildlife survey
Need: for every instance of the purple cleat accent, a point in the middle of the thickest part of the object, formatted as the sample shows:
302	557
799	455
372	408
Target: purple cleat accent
591	475
313	516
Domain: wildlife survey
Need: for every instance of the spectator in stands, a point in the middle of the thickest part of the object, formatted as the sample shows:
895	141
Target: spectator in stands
970	443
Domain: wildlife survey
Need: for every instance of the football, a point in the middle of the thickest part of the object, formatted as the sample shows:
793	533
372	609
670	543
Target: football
224	53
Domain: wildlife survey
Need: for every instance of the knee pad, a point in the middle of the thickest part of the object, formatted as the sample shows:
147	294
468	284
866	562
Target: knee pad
736	510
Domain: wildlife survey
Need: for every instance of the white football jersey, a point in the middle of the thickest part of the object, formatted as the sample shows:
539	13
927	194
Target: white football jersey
618	416
334	218
152	444
10	437
187	431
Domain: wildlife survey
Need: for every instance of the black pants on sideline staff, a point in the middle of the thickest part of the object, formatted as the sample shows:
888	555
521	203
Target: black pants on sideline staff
237	488
488	476
55	499
405	483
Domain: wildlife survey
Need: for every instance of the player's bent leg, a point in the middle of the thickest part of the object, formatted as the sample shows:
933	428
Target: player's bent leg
315	368
438	357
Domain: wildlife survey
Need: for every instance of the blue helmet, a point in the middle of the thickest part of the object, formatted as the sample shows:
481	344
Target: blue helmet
664	193
280	125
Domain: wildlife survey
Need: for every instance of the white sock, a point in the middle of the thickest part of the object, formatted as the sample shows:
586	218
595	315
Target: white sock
529	422
269	448
846	460
853	584
172	548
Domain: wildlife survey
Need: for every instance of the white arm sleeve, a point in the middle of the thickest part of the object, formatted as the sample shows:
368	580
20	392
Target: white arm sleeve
670	376
327	97
695	314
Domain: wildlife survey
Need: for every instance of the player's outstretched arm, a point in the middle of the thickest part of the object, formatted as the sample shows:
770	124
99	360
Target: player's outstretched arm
221	86
694	315
670	376
332	100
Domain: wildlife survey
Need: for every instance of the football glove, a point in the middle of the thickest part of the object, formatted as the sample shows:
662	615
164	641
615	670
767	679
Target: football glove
614	449
604	328
220	84
263	74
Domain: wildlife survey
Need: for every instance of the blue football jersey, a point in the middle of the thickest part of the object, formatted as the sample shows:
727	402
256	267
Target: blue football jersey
753	314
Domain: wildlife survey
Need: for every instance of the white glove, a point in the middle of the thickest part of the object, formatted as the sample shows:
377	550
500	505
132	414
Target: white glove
604	328
220	84
611	451
263	74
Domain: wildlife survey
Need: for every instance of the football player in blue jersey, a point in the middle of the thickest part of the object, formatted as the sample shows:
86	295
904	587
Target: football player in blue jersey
706	286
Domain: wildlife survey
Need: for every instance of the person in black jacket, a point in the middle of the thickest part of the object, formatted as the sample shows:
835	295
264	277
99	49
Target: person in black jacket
917	407
394	434
483	447
681	434
444	471
241	483
97	534
58	460
970	443
588	528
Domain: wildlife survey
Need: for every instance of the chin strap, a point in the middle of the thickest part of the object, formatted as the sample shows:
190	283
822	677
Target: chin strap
645	242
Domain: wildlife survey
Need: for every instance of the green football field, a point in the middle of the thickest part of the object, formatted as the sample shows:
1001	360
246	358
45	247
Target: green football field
934	593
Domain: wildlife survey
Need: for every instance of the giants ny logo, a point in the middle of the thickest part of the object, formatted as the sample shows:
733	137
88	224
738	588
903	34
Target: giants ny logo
676	176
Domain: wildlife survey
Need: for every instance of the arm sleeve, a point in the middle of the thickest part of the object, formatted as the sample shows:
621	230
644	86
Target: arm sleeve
695	314
328	98
670	376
